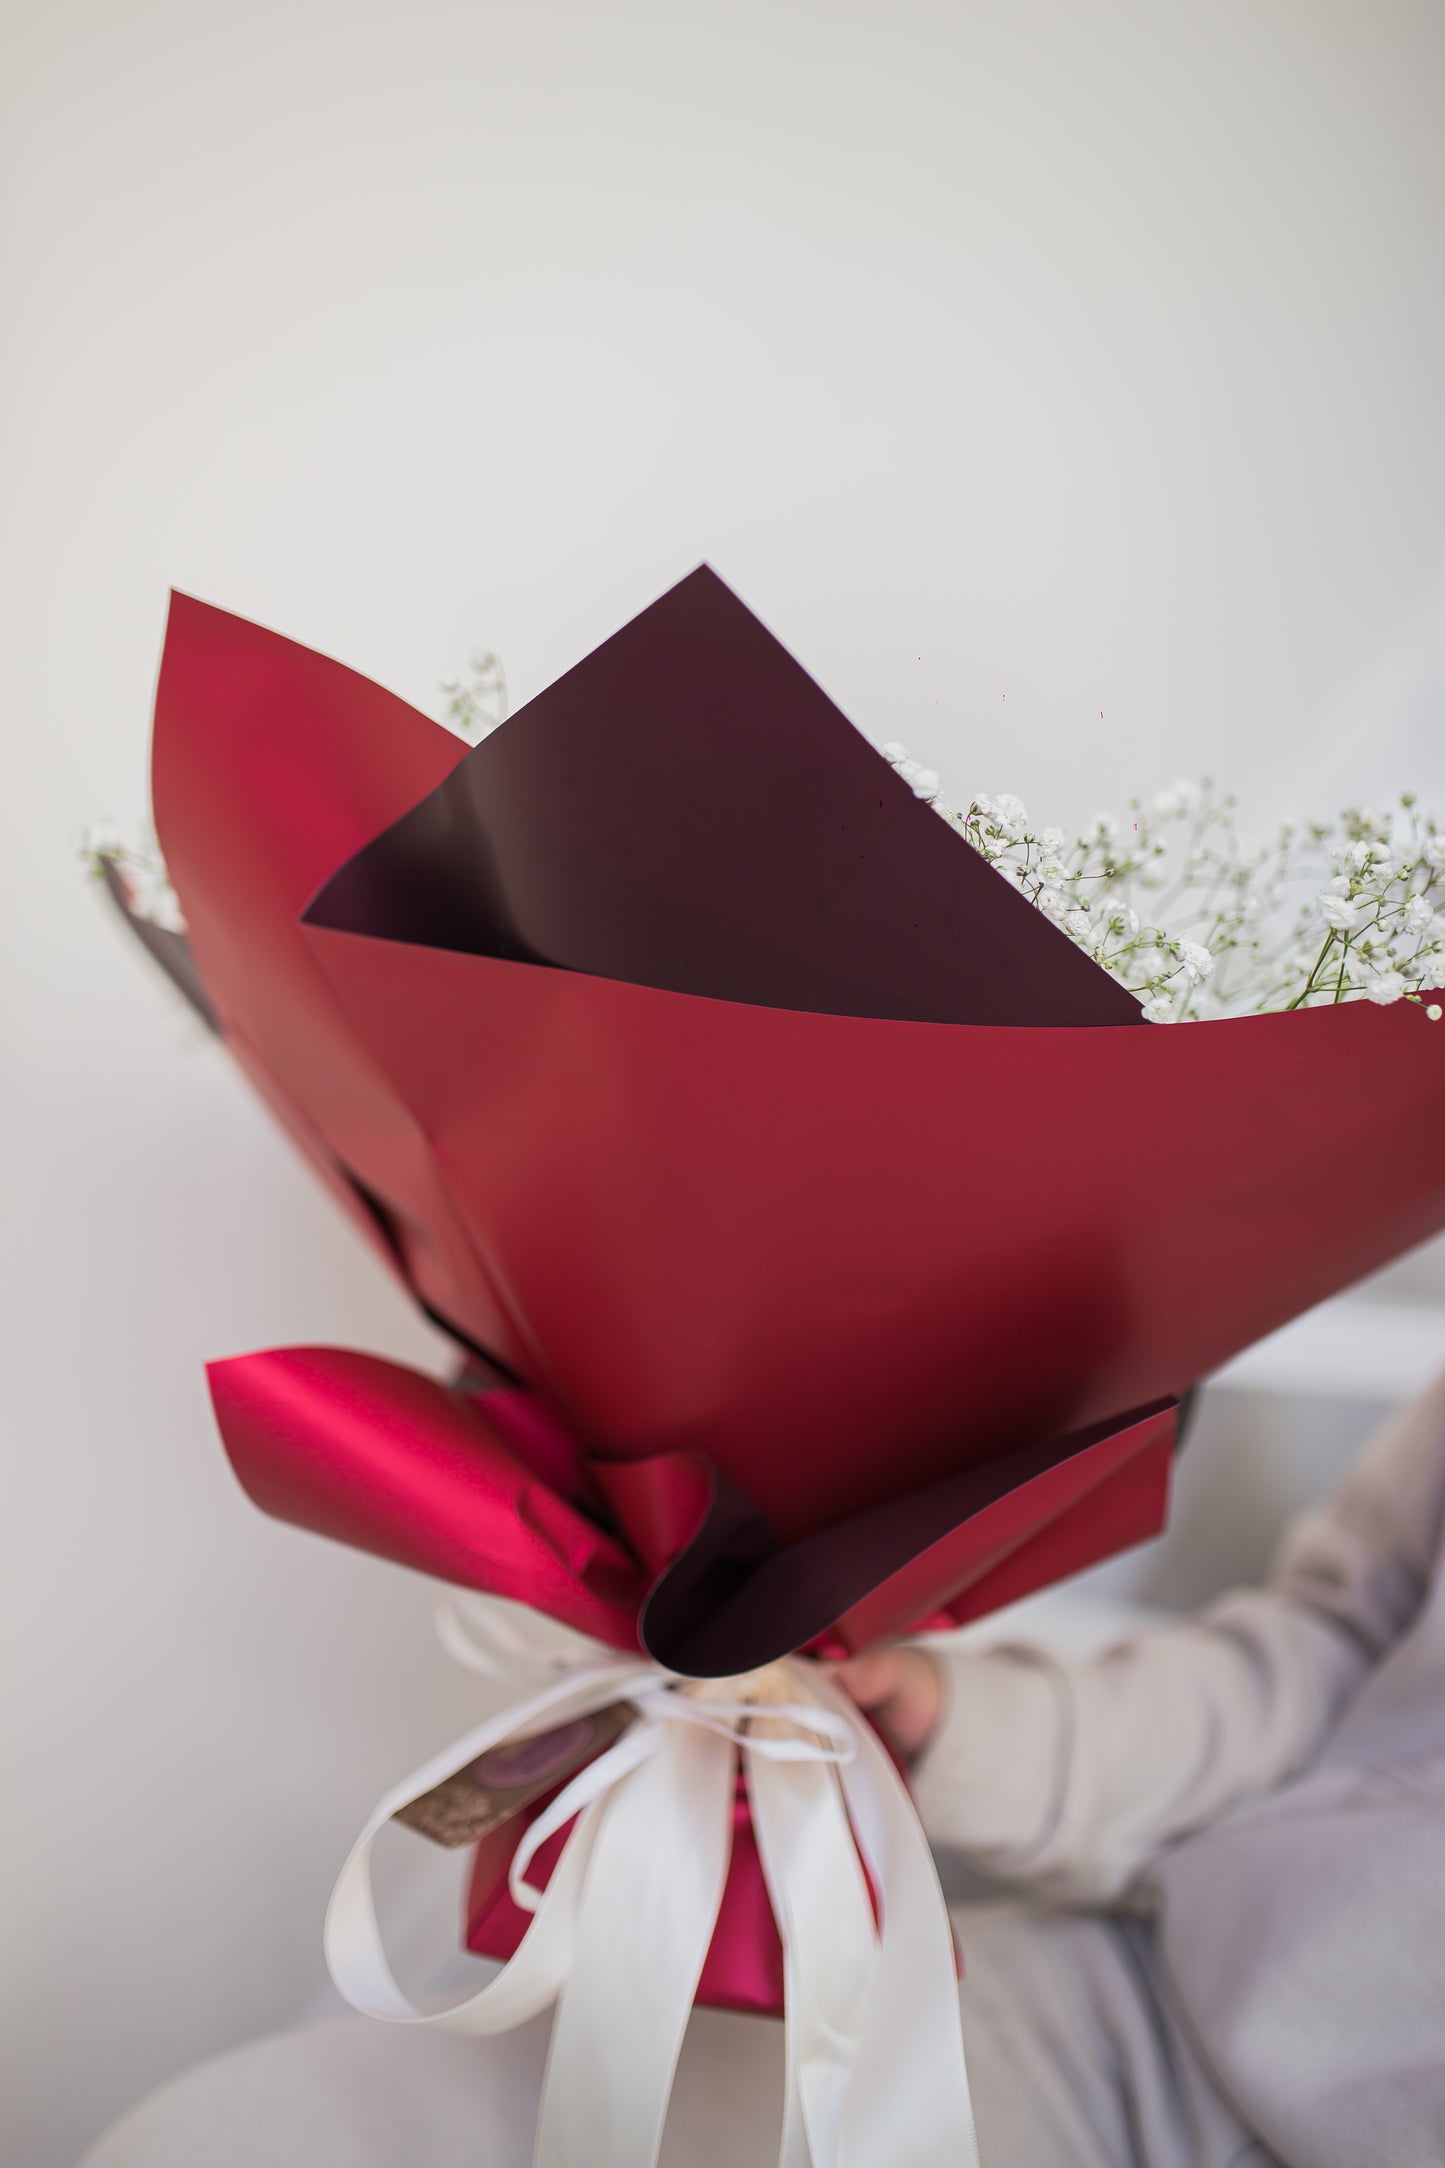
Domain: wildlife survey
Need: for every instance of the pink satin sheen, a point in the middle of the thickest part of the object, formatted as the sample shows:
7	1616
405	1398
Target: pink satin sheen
377	1456
382	1458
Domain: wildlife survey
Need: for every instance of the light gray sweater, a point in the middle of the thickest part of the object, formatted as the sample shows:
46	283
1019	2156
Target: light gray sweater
1265	1784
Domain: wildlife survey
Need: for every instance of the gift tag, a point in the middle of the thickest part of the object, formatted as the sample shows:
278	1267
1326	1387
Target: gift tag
507	1778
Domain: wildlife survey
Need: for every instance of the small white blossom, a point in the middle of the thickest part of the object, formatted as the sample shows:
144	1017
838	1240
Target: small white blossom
1341	912
1158	1008
1434	1012
1180	798
895	752
102	839
1196	960
1052	840
152	897
1384	986
1434	850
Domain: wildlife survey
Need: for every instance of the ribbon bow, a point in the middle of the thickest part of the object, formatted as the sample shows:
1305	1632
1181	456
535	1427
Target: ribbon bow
874	2051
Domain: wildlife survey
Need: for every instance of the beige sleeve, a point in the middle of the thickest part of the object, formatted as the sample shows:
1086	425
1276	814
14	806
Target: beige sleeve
1072	1777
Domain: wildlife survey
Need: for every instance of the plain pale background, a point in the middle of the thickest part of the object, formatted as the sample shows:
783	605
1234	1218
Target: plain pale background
1061	383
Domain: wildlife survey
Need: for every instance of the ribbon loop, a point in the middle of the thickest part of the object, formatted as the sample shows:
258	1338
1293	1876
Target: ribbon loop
618	1937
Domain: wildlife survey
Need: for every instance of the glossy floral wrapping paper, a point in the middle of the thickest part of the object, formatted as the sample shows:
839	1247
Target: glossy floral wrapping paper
826	1239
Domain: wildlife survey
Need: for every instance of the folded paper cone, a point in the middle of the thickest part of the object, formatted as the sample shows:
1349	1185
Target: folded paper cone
839	1236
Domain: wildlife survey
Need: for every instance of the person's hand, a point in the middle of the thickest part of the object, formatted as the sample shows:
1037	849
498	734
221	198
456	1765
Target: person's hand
901	1690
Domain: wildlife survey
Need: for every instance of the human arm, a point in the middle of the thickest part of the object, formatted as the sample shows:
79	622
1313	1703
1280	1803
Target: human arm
1072	1776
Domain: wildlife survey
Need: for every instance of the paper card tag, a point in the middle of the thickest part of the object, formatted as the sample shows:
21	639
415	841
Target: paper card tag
507	1778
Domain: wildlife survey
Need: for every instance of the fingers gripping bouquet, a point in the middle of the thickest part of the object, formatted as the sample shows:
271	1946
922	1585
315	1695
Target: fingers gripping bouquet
826	1241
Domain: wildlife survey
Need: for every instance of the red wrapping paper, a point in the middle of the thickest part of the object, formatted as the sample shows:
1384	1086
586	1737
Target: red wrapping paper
841	1235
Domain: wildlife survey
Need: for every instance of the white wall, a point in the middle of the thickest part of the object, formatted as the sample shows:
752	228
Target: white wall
1016	362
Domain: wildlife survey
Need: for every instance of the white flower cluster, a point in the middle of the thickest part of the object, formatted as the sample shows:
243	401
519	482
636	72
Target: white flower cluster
1202	921
141	871
1194	917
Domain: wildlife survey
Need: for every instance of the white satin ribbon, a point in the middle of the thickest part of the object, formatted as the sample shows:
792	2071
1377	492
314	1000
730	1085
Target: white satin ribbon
875	2069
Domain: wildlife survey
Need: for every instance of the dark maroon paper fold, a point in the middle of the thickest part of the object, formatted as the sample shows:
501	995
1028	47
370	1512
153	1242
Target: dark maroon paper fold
687	809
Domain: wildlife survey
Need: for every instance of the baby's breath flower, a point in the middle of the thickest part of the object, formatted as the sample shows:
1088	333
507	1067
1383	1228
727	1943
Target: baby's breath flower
1327	911
102	839
477	706
1341	912
141	872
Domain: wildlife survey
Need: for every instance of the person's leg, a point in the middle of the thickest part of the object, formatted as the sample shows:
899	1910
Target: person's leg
1074	2059
353	2094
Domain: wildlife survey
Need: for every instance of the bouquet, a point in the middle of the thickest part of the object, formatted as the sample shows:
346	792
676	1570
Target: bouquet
827	1239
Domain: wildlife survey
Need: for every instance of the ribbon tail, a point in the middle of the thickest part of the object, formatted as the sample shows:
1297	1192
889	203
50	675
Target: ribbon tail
908	2098
820	1901
646	1915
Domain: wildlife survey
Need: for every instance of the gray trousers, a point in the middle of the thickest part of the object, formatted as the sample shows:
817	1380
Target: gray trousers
1073	2059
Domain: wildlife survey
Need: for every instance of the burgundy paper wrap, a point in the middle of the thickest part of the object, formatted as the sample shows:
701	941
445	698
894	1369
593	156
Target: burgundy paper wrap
841	1234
